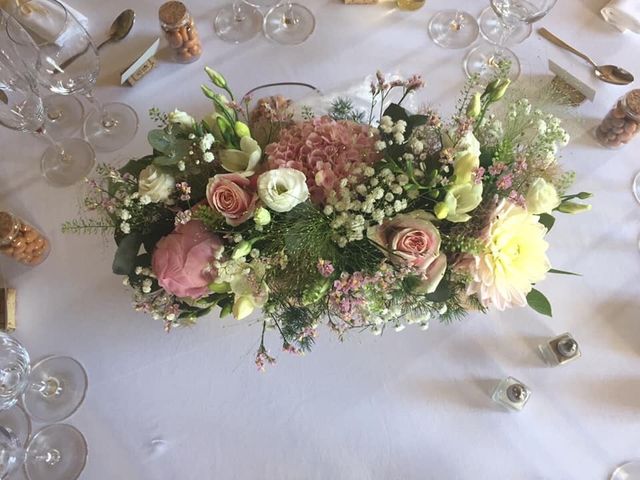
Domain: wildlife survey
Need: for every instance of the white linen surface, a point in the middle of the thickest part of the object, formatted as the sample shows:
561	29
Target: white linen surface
409	405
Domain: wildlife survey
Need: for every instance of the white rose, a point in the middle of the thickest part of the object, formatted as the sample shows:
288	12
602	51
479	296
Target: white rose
282	189
542	197
179	117
243	161
155	184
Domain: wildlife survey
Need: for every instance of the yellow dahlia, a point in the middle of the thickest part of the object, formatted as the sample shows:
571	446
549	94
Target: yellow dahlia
513	259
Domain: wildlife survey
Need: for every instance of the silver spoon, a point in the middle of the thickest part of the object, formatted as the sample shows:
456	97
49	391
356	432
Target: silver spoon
120	27
606	73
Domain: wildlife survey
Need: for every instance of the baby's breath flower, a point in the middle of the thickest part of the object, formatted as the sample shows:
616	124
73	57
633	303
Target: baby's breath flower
125	227
181	165
208	157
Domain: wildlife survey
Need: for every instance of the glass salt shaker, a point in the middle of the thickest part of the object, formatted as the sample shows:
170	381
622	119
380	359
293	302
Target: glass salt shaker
560	350
511	394
622	123
180	31
21	241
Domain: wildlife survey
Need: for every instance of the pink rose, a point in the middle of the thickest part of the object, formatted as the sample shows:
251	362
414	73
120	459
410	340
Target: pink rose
182	260
233	196
412	240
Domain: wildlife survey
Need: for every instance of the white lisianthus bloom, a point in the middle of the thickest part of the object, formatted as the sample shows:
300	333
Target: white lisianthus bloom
154	184
178	117
541	197
459	201
243	161
282	189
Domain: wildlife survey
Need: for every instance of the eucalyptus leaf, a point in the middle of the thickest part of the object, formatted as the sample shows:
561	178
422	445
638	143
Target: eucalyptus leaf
547	220
160	140
165	161
124	262
441	294
539	302
134	167
396	112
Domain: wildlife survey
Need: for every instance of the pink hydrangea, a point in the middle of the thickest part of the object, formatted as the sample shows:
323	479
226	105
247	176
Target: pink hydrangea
325	150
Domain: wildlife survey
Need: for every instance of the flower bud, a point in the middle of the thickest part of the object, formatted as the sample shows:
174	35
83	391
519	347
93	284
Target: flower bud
316	292
242	250
573	207
242	307
541	197
262	216
441	210
475	106
500	90
217	79
226	310
207	92
242	130
219	287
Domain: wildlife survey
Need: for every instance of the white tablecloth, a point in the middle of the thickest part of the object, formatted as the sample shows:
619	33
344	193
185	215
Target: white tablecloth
411	405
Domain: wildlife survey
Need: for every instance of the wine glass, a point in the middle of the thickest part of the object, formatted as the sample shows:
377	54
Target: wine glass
514	16
68	64
64	114
453	29
636	187
17	422
237	22
66	161
485	59
628	471
51	390
57	452
288	23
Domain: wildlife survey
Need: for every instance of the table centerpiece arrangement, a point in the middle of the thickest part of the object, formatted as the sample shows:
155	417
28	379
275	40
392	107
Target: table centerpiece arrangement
362	220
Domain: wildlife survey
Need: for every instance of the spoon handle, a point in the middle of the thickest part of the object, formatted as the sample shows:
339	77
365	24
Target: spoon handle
543	32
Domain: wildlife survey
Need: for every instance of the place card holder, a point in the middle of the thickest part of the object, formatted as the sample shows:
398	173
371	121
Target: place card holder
7	309
141	66
575	87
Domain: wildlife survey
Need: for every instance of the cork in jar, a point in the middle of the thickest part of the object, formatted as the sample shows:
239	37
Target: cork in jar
180	31
21	241
622	123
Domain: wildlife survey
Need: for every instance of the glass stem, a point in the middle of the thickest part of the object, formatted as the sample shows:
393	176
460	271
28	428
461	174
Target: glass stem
458	21
507	29
50	457
61	153
289	17
106	121
238	15
51	387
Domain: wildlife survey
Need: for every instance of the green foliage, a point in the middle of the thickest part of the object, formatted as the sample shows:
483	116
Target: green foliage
343	109
539	302
124	261
547	220
563	272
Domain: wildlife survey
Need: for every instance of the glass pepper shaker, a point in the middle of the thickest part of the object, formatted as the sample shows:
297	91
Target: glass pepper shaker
21	241
180	31
622	123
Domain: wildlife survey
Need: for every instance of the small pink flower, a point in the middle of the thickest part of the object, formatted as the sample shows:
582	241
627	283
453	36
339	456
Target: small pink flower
325	268
233	196
182	260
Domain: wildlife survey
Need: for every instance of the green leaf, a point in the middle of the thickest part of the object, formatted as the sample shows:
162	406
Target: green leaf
124	262
539	302
396	112
547	220
581	196
160	140
442	293
134	167
165	161
563	272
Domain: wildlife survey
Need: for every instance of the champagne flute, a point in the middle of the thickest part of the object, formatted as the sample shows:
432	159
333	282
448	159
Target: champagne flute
68	64
57	452
636	187
237	22
288	23
453	29
65	161
485	59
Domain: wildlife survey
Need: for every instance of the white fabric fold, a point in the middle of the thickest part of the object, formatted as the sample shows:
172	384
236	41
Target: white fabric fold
623	14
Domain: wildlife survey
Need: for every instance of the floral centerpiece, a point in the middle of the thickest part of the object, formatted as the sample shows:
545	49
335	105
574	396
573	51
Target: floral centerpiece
332	219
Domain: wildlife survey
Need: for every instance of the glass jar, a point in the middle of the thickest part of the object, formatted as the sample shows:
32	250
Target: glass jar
21	241
622	123
180	31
